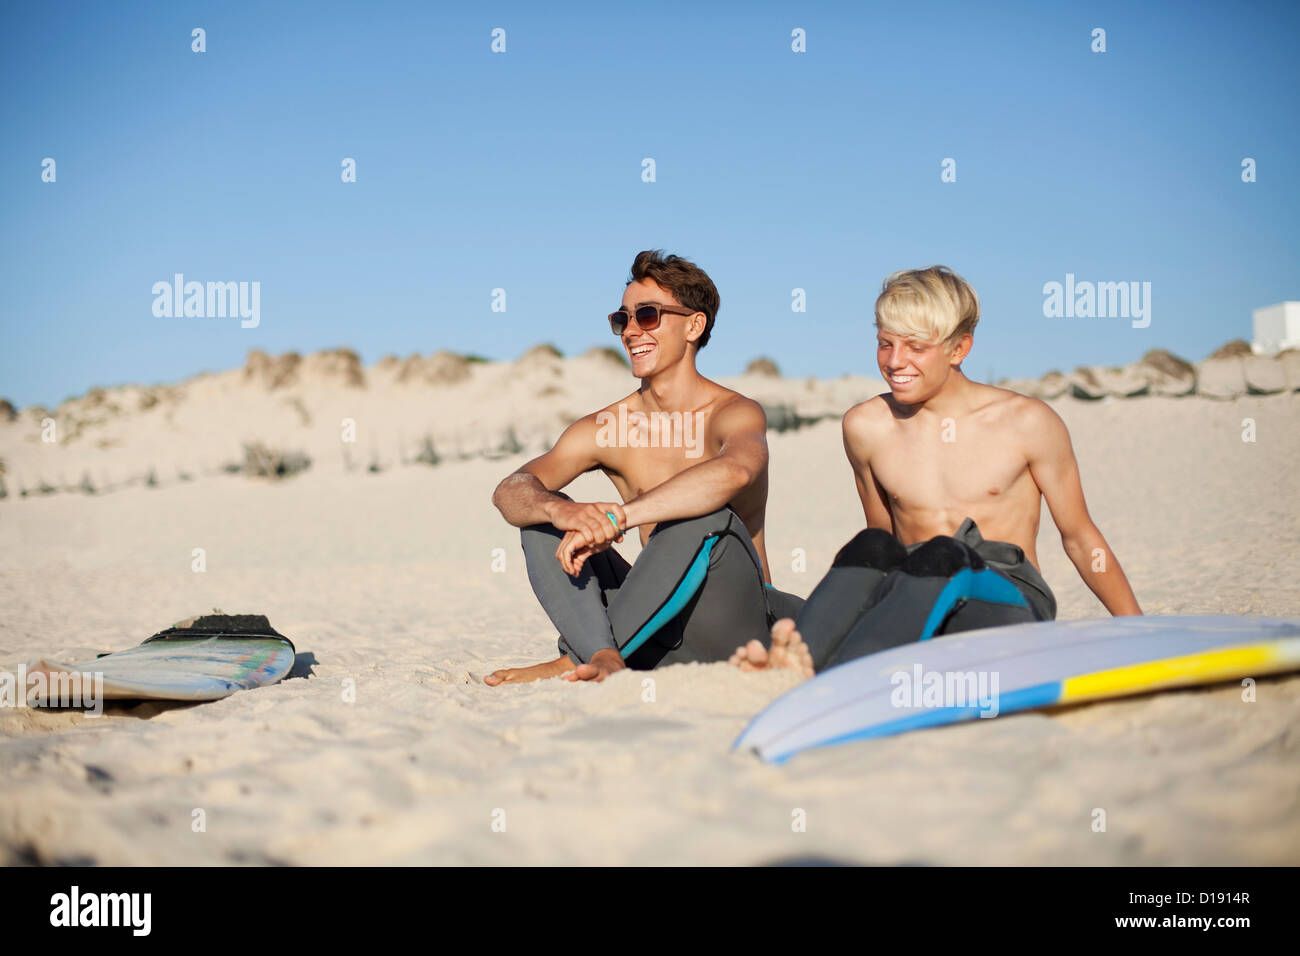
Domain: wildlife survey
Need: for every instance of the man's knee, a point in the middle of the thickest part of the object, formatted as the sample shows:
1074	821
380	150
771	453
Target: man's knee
715	522
871	548
544	534
941	557
539	539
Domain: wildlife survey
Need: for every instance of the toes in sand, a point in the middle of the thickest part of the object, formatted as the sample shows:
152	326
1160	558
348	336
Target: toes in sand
788	652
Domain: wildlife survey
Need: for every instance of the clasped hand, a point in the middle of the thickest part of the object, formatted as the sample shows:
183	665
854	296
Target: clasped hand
588	530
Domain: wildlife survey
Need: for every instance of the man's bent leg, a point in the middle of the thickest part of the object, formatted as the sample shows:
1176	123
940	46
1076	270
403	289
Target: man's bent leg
730	609
847	592
942	587
690	568
575	605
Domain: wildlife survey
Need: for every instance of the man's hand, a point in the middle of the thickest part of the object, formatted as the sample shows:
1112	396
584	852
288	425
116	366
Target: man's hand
603	663
573	554
589	530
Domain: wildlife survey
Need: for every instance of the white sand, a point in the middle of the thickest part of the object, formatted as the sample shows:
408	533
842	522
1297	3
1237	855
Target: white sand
386	579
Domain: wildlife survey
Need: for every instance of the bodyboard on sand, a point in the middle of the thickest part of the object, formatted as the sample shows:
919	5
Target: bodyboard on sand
205	658
1003	670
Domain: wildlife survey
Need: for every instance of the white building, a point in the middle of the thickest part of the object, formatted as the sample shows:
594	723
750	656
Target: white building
1277	327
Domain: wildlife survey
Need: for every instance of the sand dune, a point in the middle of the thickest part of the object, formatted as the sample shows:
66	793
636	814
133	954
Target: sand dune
339	416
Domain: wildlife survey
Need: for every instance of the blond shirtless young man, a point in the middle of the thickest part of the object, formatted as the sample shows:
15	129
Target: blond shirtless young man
942	464
688	459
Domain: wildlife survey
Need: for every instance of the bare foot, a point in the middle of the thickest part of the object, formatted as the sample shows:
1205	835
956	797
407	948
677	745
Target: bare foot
603	663
522	675
788	652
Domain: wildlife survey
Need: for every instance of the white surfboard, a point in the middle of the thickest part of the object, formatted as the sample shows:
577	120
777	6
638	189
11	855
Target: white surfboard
1003	670
205	658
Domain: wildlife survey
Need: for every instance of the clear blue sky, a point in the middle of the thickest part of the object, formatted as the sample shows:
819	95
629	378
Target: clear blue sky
522	170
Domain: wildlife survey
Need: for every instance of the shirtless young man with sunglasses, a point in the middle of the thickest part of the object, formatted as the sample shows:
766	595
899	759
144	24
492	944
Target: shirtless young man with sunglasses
688	459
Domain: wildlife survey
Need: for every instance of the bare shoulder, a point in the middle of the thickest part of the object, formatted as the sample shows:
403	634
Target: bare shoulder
578	449
632	402
732	411
863	424
867	418
587	429
1032	412
588	424
1038	425
1013	407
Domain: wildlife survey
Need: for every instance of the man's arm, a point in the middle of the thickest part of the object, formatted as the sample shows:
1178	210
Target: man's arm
1054	469
741	428
527	496
857	446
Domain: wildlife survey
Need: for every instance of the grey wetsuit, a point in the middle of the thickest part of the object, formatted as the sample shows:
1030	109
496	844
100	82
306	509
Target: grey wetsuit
880	594
695	593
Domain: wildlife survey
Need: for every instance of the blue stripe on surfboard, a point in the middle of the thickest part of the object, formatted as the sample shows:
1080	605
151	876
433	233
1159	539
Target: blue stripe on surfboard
678	600
1026	698
963	584
985	585
855	695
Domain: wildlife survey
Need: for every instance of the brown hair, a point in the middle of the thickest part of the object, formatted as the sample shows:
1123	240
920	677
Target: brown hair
689	284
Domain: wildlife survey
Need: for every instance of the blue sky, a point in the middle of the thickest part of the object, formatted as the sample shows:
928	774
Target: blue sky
522	171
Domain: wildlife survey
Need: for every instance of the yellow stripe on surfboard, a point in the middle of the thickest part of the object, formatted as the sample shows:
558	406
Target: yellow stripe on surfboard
1205	667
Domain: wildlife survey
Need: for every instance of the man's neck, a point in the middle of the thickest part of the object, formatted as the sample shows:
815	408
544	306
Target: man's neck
951	400
673	389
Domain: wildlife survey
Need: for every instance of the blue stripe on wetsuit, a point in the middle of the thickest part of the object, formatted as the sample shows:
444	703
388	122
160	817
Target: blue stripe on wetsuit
677	601
985	585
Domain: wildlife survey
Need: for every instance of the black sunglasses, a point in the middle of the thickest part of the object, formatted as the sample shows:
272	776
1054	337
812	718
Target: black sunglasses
647	316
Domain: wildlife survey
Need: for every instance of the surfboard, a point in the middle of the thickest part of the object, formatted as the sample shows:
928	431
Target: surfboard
1004	670
204	658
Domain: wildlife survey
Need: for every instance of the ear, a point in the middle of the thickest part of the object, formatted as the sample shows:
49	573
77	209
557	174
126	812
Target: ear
695	323
961	349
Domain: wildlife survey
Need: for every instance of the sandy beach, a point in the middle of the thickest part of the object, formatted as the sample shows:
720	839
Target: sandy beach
386	579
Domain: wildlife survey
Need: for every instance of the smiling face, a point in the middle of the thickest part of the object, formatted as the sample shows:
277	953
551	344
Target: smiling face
925	319
665	345
914	369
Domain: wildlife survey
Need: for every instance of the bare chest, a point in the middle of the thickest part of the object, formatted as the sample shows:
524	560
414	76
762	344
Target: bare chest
954	469
642	450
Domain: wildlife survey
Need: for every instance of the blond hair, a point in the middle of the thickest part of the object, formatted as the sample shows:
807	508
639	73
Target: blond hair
933	304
